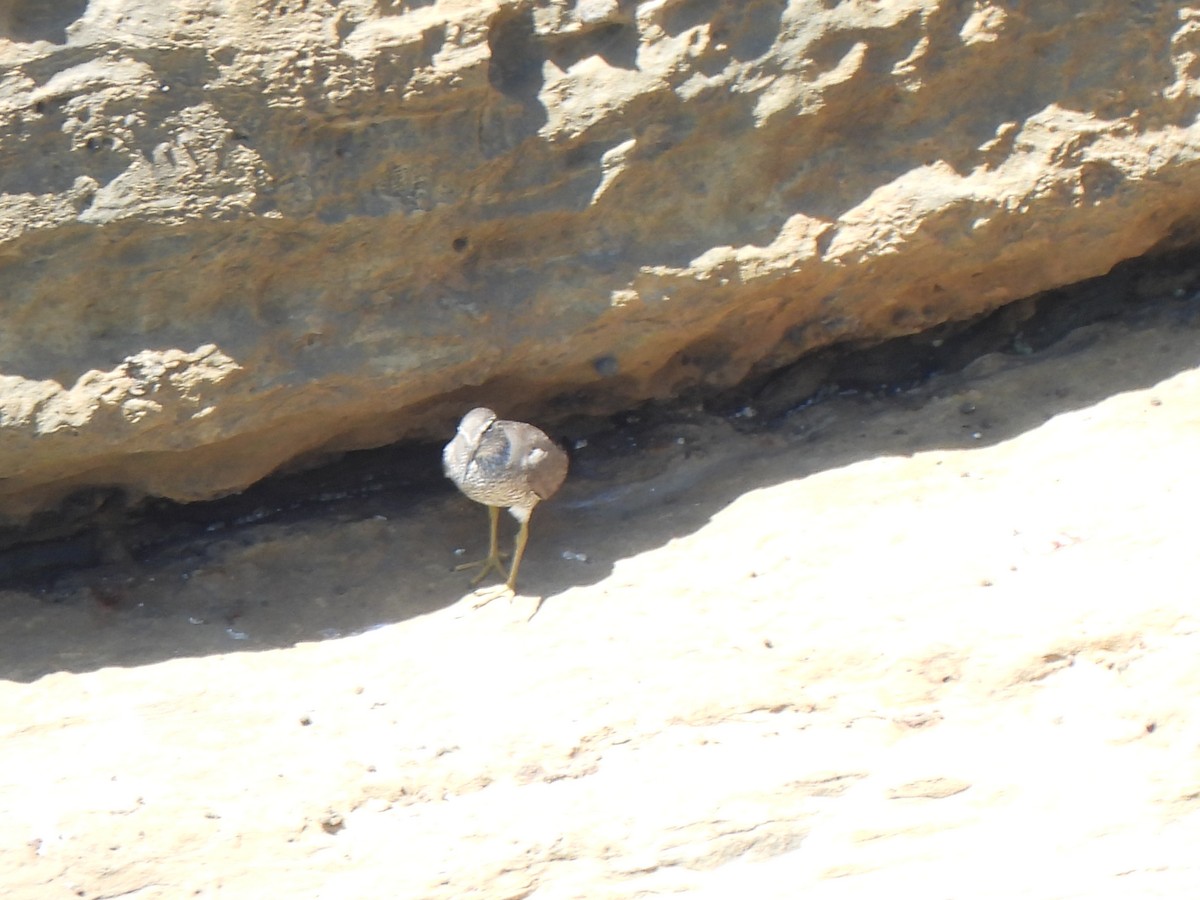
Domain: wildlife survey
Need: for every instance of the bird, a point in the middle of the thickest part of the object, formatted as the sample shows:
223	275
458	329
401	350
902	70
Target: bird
503	464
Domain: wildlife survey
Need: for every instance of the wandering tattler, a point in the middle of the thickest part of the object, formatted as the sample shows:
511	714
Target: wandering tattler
503	464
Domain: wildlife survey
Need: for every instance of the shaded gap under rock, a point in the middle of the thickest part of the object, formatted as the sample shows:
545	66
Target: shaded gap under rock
100	525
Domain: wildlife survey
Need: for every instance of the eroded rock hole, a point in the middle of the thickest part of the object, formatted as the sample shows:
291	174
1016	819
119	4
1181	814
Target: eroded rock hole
515	68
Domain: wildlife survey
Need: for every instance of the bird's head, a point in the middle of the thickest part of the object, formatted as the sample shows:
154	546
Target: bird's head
475	423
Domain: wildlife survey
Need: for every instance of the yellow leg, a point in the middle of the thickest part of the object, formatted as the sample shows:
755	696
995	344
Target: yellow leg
518	552
492	560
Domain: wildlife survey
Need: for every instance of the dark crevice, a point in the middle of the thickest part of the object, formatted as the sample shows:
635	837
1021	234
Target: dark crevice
100	525
1132	289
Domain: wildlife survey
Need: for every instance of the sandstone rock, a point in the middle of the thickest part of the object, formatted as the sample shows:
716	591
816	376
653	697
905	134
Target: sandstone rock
236	235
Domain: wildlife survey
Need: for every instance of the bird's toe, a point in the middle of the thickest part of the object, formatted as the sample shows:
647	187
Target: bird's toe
484	596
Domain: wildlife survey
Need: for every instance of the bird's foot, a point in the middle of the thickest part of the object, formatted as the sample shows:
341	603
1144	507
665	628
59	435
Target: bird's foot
488	562
484	596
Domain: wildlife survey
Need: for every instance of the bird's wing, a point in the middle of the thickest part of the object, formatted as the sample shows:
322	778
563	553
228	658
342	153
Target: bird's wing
545	466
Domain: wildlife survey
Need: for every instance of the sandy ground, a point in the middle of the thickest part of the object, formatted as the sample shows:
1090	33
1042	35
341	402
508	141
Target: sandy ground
949	639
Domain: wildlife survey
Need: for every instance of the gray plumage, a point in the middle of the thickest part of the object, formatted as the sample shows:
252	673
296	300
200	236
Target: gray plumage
503	464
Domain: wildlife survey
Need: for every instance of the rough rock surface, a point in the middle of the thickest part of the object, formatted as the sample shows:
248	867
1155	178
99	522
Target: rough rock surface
947	639
234	233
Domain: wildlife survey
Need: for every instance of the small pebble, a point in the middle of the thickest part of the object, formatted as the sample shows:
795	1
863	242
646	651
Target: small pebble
236	635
